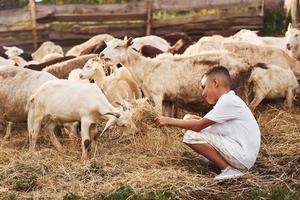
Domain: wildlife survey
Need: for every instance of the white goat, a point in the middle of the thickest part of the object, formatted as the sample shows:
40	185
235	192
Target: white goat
115	89
293	42
74	76
123	74
76	50
171	78
63	69
12	51
271	82
45	49
51	56
16	86
250	52
152	40
13	54
6	62
85	103
249	36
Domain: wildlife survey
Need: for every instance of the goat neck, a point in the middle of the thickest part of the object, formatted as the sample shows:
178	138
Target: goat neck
138	65
99	76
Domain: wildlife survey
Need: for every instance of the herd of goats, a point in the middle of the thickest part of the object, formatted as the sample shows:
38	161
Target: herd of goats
99	79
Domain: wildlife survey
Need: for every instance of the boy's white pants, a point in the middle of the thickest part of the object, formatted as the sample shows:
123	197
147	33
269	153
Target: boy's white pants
192	137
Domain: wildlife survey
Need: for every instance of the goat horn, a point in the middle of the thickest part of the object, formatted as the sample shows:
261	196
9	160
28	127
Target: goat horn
109	123
117	115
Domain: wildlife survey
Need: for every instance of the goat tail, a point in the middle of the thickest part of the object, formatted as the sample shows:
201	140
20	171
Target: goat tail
30	103
31	114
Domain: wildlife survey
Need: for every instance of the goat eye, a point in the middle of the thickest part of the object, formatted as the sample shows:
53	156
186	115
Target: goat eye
119	46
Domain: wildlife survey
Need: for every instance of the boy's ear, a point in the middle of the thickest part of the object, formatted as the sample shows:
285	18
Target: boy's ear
216	82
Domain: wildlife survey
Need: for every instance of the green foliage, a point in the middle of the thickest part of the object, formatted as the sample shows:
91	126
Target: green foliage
283	193
12	4
12	197
276	21
25	183
171	15
276	193
71	196
257	194
123	193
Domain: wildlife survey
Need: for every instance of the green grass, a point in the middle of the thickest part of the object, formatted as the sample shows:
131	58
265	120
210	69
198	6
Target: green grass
163	15
71	196
123	193
25	184
11	197
279	192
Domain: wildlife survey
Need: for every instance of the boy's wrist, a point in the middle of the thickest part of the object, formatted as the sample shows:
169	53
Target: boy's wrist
167	121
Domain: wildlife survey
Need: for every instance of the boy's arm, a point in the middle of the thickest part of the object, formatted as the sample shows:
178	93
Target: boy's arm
191	124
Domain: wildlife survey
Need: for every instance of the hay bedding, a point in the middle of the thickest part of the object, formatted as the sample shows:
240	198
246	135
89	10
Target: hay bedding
149	159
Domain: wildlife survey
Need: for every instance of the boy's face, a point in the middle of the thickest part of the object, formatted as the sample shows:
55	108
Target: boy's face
210	89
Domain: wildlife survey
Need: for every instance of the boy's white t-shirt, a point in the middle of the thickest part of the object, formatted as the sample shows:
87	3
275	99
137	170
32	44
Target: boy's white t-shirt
237	126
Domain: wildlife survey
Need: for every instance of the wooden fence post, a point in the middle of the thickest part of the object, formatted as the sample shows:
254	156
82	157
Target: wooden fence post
33	23
149	17
262	11
294	12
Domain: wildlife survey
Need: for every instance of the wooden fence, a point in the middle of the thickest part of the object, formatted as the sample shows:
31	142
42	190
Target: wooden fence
68	25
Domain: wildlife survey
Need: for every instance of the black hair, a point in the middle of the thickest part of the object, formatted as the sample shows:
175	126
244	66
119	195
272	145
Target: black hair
219	70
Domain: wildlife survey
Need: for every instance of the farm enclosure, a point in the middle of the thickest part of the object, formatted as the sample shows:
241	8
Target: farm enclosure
68	25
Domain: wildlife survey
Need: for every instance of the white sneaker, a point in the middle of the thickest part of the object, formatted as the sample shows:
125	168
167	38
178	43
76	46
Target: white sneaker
228	173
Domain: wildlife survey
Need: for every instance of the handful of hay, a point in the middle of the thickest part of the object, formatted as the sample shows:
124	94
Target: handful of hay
144	133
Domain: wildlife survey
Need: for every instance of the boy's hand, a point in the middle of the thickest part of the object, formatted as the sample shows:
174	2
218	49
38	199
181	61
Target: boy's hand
161	121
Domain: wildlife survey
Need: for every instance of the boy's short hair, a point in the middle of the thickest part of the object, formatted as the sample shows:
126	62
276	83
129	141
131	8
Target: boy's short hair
219	70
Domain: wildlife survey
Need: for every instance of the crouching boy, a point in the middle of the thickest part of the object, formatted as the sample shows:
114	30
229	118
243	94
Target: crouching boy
228	135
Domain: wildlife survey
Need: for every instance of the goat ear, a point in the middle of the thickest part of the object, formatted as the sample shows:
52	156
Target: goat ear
129	42
125	38
118	103
105	42
290	26
5	47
